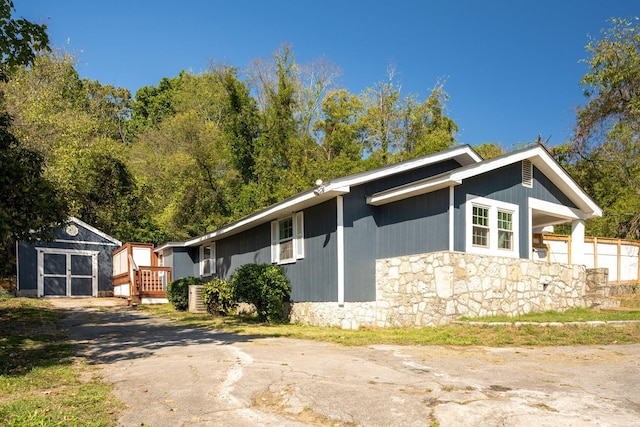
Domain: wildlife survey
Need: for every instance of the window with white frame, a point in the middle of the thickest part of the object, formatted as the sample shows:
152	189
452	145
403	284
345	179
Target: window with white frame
480	226
208	260
505	229
287	239
492	227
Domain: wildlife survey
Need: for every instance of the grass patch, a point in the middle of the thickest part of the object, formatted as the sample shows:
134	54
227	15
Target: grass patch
630	301
40	384
494	336
572	315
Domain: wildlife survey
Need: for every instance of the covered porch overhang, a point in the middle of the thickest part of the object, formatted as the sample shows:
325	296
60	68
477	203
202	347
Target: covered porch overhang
544	214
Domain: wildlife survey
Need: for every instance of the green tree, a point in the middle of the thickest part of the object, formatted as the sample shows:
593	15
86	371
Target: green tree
80	127
30	206
604	153
284	160
381	122
19	39
241	123
424	128
340	134
153	104
488	150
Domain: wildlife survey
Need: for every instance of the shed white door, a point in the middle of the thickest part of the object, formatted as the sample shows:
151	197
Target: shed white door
67	273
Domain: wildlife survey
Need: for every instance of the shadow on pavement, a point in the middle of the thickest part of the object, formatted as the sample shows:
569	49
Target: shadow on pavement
123	334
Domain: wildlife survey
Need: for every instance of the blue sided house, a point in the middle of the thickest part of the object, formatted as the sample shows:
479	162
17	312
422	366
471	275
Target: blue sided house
415	243
78	263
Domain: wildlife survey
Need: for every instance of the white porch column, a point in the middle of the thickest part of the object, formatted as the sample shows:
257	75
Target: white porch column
577	242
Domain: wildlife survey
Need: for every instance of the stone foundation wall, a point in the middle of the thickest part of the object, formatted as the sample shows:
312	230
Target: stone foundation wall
435	288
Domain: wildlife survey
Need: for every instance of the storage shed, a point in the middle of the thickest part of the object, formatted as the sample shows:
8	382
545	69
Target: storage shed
77	263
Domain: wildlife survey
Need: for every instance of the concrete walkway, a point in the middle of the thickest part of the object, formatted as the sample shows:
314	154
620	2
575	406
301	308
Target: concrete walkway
177	376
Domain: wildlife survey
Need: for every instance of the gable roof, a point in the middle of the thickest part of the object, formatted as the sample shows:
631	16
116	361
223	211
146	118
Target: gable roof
464	155
95	231
536	154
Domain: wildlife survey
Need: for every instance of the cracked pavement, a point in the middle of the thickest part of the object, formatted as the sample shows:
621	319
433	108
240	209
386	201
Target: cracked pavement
170	375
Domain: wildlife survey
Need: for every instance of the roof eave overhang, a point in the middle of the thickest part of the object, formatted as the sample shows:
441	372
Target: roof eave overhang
542	160
295	204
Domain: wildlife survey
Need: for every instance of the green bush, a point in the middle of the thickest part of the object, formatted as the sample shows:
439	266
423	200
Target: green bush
178	292
218	296
265	286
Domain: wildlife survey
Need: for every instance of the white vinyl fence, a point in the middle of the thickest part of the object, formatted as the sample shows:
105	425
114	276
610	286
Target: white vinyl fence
619	256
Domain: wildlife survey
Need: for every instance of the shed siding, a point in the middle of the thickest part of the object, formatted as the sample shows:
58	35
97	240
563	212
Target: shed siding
85	240
27	267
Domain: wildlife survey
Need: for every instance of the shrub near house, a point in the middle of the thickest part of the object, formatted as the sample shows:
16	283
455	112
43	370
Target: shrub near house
265	286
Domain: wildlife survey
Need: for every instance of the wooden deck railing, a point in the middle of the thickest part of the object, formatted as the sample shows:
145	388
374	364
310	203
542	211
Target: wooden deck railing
152	281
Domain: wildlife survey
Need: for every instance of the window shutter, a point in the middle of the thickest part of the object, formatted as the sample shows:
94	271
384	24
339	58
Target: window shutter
274	242
527	174
299	235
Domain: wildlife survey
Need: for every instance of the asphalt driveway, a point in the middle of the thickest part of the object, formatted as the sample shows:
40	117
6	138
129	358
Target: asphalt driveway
171	375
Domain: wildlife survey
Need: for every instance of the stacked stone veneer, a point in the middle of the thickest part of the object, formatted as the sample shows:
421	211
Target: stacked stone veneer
436	288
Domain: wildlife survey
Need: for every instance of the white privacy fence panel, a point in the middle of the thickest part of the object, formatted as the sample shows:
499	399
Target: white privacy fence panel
558	251
620	257
629	262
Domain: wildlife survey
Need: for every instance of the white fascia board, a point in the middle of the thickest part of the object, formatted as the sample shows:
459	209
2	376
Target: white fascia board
463	155
410	190
170	245
543	161
95	230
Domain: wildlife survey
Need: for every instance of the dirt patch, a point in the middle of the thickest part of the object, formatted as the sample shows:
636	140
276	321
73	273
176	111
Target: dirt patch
71	303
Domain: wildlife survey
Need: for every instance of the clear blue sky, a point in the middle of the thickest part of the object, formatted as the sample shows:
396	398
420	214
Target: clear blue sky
512	68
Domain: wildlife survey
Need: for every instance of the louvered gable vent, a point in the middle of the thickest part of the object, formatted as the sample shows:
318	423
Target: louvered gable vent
527	174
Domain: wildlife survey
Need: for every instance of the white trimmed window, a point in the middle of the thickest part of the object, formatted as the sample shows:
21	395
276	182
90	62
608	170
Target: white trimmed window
492	227
208	260
287	239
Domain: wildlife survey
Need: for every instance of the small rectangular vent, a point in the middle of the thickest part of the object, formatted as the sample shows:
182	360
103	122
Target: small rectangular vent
527	174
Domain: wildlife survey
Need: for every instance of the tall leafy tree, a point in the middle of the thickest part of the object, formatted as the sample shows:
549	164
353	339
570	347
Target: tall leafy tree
381	122
194	159
80	127
19	39
425	129
604	153
284	159
30	206
153	104
340	134
29	203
